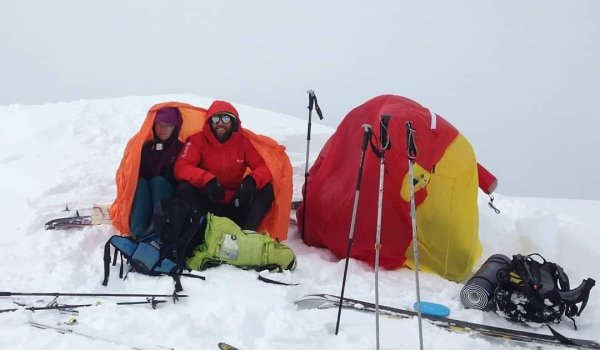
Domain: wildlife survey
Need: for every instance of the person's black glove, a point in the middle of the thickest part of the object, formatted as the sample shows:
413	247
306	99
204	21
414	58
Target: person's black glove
215	191
245	194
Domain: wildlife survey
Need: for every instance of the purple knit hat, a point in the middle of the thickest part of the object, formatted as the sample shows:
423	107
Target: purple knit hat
170	115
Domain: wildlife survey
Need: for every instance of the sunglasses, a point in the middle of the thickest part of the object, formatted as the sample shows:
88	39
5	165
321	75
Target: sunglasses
224	118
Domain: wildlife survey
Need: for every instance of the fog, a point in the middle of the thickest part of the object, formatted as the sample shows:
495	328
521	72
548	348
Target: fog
519	79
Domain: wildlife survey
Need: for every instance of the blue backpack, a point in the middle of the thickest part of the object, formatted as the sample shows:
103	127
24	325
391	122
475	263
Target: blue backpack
176	229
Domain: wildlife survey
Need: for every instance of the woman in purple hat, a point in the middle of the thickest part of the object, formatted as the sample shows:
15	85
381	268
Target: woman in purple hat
156	180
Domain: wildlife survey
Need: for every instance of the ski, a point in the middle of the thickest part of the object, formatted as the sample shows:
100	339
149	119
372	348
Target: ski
326	301
175	297
98	215
69	330
69	307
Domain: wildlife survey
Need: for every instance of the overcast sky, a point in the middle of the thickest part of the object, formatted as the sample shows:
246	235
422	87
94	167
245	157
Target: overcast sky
519	78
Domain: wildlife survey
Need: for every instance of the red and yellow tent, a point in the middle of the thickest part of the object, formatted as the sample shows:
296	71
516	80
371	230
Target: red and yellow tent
275	222
446	181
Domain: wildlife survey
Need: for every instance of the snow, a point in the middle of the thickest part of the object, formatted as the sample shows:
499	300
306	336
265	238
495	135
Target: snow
67	153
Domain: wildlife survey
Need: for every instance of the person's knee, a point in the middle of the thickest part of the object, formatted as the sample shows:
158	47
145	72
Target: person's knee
142	184
159	181
266	195
185	189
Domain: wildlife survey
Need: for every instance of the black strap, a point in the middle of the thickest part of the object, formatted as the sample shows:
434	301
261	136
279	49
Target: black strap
375	149
178	286
589	283
410	142
121	267
491	204
268	280
192	276
106	262
272	267
114	262
561	338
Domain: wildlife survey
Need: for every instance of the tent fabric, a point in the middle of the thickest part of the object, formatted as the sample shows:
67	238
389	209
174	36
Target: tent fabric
275	222
445	178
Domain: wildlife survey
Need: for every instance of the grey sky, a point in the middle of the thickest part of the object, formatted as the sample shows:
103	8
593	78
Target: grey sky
519	78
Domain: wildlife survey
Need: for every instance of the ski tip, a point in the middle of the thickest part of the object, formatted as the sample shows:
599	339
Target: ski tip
225	346
314	301
432	309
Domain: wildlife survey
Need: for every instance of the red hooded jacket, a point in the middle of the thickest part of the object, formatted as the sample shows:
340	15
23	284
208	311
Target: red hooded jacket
204	157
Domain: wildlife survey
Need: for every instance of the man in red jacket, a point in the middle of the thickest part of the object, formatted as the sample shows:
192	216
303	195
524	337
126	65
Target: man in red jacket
213	164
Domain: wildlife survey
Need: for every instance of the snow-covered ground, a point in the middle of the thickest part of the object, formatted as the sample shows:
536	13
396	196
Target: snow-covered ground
60	153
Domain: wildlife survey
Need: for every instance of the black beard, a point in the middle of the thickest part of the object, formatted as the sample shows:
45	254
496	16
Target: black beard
223	138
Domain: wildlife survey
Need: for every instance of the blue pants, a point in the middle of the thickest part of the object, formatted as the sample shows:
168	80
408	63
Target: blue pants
148	193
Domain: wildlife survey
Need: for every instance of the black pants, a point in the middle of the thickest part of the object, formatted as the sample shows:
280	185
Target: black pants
247	218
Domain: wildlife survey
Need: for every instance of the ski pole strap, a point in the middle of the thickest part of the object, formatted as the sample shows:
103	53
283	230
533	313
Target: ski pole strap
376	150
384	140
384	135
318	109
312	99
410	141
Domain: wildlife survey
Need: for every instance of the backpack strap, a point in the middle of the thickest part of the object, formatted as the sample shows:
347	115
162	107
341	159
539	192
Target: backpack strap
562	277
579	294
106	262
178	286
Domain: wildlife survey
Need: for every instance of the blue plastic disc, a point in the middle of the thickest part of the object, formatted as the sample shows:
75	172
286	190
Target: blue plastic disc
433	309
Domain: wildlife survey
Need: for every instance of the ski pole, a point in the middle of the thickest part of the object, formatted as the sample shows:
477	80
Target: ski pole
312	101
151	301
385	145
366	138
412	155
59	294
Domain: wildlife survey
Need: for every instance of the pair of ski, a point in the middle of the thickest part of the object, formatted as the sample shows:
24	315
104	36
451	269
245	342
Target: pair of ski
326	301
96	215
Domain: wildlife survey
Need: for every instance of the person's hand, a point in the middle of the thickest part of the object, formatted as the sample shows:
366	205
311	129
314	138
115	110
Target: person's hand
245	194
215	191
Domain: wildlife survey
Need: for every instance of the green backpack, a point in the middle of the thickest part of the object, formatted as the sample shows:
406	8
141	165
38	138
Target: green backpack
226	243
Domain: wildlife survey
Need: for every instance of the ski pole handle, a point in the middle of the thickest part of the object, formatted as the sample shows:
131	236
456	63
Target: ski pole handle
367	136
311	99
384	137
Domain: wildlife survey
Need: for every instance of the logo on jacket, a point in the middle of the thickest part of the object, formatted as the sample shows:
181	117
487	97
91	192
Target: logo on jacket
239	160
185	149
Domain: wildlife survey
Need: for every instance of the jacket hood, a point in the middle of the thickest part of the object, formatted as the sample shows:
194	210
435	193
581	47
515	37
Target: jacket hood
219	106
